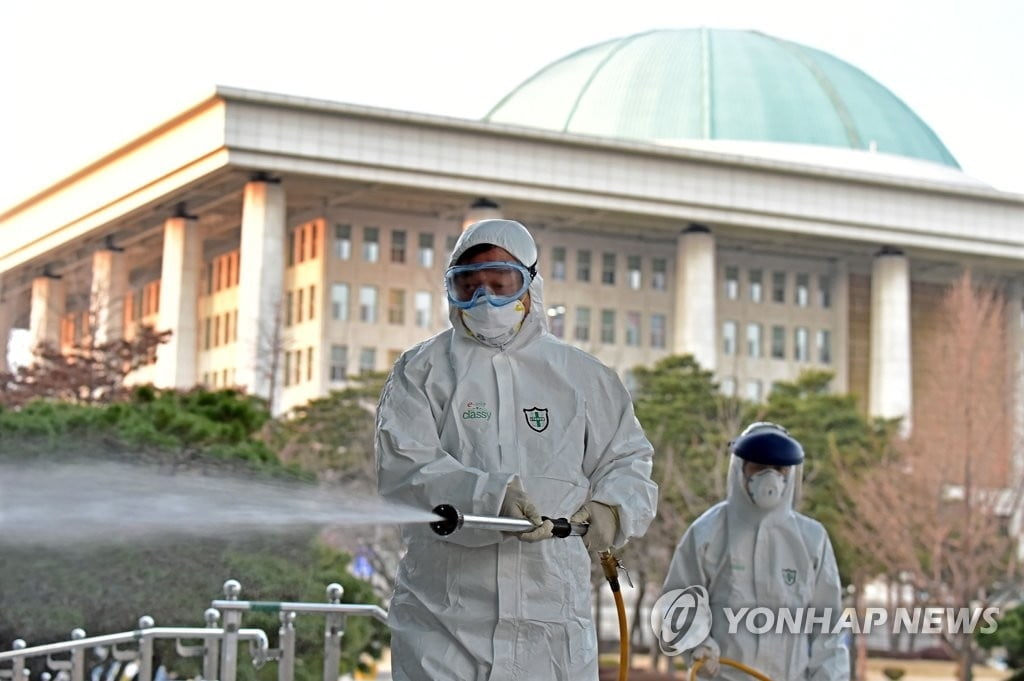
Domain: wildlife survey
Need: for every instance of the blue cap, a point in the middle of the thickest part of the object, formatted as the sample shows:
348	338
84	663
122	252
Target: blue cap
768	444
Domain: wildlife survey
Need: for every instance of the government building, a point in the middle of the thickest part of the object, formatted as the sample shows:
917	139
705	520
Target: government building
757	203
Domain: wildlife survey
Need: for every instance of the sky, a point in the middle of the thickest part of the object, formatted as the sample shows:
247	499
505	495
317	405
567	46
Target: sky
82	78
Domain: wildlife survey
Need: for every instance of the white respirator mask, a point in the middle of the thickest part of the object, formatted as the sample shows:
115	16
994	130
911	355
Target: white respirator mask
766	488
494	325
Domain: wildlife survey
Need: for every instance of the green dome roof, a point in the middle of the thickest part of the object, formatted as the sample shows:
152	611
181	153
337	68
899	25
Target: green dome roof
709	84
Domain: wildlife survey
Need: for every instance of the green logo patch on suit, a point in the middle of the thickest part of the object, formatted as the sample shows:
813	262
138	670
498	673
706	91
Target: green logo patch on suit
789	575
536	418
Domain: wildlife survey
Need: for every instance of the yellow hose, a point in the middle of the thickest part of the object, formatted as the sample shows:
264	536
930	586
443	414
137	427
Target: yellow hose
610	565
732	663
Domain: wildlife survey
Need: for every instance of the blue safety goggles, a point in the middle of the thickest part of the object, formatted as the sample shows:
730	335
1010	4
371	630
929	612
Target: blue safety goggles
499	283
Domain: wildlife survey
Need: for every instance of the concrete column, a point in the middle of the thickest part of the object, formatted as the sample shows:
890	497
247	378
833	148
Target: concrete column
48	297
179	294
481	209
261	288
890	392
841	333
6	324
695	328
109	286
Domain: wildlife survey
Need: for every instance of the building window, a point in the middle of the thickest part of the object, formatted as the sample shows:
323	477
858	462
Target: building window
824	346
800	350
343	242
753	340
632	328
367	360
298	367
299	305
752	390
309	363
426	253
339	302
558	263
583	265
339	362
288	300
396	306
424	305
368	304
634	275
312	238
778	287
582	330
289	251
825	290
371	244
732	282
216	330
802	293
728	386
556	320
756	288
778	342
608	268
659	274
300	244
657	330
312	301
151	298
223	273
608	327
207	333
729	338
287	369
398	245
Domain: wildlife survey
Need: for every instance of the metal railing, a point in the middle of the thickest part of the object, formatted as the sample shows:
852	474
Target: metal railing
219	644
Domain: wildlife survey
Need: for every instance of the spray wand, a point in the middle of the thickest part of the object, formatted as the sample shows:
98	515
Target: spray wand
453	520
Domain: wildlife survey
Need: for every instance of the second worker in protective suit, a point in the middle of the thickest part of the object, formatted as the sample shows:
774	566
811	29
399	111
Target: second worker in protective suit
496	416
753	550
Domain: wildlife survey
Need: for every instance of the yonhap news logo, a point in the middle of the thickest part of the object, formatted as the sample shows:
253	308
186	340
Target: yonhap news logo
681	619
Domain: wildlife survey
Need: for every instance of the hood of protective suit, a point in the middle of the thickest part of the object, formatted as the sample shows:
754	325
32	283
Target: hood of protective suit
517	240
507	234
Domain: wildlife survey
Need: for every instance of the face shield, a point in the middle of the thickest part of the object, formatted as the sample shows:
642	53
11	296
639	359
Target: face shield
498	283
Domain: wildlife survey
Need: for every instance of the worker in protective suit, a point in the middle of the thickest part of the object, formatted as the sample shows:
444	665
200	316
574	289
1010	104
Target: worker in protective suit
496	416
754	550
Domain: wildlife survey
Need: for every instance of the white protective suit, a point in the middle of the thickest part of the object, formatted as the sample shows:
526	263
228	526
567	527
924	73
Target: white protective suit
749	557
456	422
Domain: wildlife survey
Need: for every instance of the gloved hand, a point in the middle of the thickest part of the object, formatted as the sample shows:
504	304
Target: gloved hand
710	653
517	505
604	524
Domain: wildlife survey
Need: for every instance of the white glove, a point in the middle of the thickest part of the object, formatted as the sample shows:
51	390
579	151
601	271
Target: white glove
517	505
603	521
709	652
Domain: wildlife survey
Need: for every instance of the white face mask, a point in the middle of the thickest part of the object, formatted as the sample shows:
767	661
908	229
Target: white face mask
766	488
492	325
